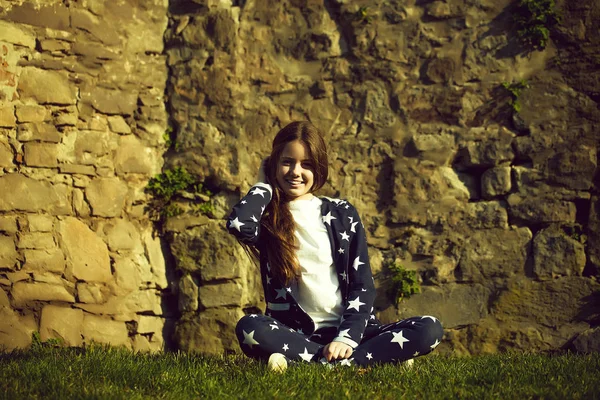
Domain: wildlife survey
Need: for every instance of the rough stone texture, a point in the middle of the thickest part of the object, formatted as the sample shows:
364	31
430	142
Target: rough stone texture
41	155
106	196
52	260
8	253
556	254
587	341
104	330
45	86
15	330
26	194
63	323
90	263
24	292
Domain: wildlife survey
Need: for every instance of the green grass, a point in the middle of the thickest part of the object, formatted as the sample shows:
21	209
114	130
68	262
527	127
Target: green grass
100	372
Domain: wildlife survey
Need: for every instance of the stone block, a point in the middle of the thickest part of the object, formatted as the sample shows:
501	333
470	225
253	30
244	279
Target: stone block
81	207
480	258
574	168
15	331
92	293
127	274
111	102
25	292
7	116
486	215
556	254
66	119
132	156
40	223
46	87
31	113
6	154
36	240
100	28
4	301
89	263
20	35
537	209
106	196
54	16
8	223
553	303
212	332
221	295
149	324
143	345
77	169
208	249
439	148
587	341
92	142
63	323
105	330
453	304
187	294
54	45
143	301
122	234
39	132
44	260
8	253
496	182
156	258
117	124
41	155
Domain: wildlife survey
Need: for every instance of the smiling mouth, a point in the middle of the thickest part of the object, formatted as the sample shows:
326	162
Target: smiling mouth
294	183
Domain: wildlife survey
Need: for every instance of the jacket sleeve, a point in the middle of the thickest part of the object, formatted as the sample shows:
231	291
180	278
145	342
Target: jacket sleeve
361	287
244	220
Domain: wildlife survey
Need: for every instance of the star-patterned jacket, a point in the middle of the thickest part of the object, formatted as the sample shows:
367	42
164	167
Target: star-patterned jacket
349	251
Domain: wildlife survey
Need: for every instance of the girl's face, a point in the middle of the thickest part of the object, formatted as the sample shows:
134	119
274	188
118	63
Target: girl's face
295	171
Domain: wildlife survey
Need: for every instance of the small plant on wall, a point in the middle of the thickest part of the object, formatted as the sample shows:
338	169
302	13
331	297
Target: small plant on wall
535	19
514	90
405	282
172	184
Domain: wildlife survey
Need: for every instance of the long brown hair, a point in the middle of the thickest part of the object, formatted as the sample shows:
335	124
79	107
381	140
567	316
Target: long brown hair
277	222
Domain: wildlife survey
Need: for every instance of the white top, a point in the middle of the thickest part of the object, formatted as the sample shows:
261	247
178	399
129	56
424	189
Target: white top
318	292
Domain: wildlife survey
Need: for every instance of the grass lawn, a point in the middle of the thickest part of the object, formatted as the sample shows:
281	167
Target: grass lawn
101	372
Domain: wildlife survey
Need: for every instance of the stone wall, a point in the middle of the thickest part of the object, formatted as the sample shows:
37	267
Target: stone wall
496	209
82	118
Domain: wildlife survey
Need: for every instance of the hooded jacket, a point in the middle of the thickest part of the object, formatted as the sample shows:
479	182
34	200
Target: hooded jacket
349	250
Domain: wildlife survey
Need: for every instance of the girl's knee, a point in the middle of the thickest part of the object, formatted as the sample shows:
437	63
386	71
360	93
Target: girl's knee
432	328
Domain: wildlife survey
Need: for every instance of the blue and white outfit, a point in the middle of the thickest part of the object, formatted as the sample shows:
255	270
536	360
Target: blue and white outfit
334	299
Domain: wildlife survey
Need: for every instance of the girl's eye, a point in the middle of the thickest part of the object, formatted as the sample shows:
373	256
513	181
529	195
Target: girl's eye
307	165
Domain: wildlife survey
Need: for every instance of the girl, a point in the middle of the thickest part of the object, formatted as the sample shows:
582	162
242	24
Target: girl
314	266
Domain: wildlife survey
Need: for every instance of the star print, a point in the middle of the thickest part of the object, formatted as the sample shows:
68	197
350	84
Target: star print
262	210
258	191
357	263
356	303
372	316
341	251
327	218
434	345
306	356
273	326
346	362
243	202
307	339
353	226
434	319
285	347
344	333
345	236
363	290
253	315
369	356
347	206
253	218
351	219
249	339
300	331
344	276
235	223
268	267
416	354
269	280
281	293
399	338
289	290
256	231
412	322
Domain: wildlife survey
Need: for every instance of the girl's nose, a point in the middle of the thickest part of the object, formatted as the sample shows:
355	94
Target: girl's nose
297	169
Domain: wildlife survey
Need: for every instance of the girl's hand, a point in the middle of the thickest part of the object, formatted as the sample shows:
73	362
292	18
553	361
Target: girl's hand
262	174
337	351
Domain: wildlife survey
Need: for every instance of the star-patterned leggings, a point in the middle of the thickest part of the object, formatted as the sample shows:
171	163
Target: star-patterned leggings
260	336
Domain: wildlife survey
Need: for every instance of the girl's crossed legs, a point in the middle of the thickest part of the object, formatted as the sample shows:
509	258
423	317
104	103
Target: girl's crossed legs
260	336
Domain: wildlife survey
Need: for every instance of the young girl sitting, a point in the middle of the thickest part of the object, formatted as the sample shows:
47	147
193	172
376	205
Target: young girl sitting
315	268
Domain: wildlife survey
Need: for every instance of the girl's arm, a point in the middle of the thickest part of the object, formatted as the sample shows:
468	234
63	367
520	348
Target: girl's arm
244	220
361	287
